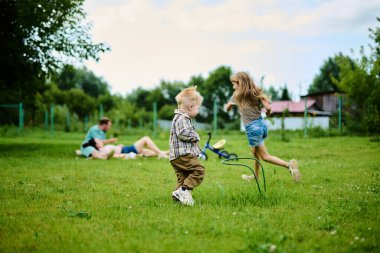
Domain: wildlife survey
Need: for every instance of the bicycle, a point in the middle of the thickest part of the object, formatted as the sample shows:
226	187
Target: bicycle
218	149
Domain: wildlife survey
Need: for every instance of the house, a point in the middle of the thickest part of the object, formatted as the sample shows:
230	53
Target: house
294	118
327	101
297	109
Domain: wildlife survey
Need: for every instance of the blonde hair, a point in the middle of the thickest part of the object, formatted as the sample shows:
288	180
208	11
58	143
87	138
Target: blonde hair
188	96
246	89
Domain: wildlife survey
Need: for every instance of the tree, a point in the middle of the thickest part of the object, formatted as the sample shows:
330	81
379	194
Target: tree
66	79
54	95
70	77
330	70
273	93
91	84
360	81
165	94
108	101
36	37
79	102
138	98
124	112
170	90
196	81
375	35
166	111
285	94
217	87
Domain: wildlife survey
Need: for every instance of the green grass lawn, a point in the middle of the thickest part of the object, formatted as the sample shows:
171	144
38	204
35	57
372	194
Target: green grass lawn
51	201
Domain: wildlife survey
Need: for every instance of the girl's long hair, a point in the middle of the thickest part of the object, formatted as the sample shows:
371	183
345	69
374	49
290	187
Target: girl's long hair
247	91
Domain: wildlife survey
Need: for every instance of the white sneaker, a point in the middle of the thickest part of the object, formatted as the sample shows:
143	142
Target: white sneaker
247	178
184	197
189	198
293	168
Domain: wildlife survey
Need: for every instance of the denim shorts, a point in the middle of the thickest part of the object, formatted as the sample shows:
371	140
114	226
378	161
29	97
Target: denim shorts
129	149
257	131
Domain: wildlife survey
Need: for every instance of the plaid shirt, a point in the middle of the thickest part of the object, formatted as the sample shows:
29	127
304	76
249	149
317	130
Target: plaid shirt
183	138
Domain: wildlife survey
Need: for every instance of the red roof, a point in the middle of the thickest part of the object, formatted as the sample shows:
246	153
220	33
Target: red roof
280	106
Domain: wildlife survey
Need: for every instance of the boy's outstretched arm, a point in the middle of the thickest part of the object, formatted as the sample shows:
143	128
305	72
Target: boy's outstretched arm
111	140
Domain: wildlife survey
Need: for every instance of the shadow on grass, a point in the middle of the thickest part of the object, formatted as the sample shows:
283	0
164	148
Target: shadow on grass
246	198
216	199
36	150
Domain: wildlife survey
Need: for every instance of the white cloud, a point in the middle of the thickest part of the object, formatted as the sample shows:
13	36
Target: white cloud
284	40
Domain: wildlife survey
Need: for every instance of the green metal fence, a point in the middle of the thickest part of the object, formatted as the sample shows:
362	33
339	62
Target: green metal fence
20	108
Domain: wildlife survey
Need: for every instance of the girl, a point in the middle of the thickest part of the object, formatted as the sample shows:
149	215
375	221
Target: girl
249	98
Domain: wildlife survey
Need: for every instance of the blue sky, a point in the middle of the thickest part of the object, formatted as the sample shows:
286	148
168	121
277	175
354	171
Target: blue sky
285	41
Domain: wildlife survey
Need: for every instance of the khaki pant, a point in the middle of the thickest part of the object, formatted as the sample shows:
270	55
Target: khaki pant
189	171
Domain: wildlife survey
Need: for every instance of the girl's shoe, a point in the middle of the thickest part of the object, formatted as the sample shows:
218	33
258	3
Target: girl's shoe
293	168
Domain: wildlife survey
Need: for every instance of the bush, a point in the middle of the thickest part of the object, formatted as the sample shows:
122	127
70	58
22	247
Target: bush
373	122
318	132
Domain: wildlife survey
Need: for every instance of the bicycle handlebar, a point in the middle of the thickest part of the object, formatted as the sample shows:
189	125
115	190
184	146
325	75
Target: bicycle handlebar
209	137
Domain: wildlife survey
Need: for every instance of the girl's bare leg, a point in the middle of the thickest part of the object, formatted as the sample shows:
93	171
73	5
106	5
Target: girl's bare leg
148	152
255	152
264	154
146	141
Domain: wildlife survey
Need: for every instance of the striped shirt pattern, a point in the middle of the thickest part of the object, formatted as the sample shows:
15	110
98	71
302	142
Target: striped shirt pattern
183	138
251	112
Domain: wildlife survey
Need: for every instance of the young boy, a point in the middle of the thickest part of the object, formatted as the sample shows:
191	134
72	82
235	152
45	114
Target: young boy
184	146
